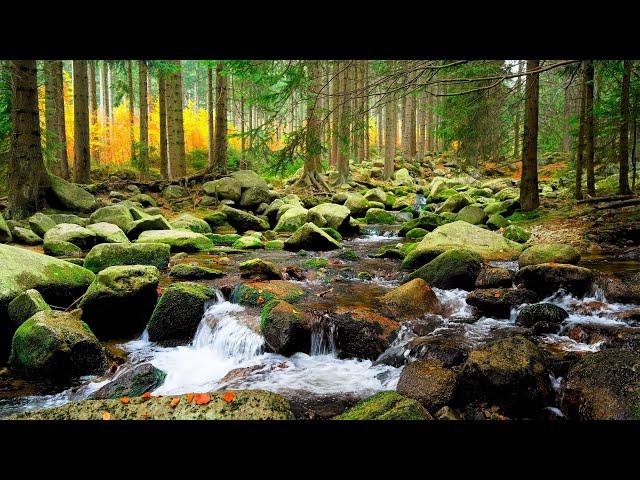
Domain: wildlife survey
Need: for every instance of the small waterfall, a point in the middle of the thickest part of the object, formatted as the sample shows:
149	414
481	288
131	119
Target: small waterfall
322	342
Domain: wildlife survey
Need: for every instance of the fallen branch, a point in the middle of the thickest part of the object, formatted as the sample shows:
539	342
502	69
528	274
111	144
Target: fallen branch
623	203
604	199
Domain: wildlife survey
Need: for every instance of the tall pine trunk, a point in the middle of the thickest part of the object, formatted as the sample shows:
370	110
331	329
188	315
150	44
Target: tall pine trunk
55	133
529	199
581	139
336	108
106	106
624	131
175	126
390	123
210	102
422	125
589	148
143	159
516	126
132	137
220	141
82	159
344	131
162	106
93	113
27	178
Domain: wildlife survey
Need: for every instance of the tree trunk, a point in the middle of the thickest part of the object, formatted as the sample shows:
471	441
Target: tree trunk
210	113
430	123
624	131
175	128
580	147
143	160
110	91
529	199
162	106
93	113
55	133
243	158
422	125
132	140
566	114
344	133
106	106
365	103
27	178
390	123
220	144
380	127
589	150
81	162
196	97
516	127
336	109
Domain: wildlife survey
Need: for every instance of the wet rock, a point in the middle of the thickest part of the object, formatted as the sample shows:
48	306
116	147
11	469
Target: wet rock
452	269
70	196
185	271
310	237
61	249
447	413
244	221
259	293
189	222
516	234
448	350
604	386
416	233
361	332
274	245
110	254
494	277
389	252
386	406
246	405
621	288
25	236
427	220
473	215
178	240
258	269
120	300
108	233
71	233
547	278
223	239
549	253
41	223
149	223
413	299
529	315
26	305
379	216
509	373
132	382
284	328
56	346
428	382
178	312
462	235
498	302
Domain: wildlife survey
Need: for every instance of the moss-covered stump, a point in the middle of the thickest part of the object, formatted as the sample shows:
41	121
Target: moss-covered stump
258	269
70	196
185	271
284	328
61	249
259	293
547	253
56	346
498	302
411	300
428	382
604	386
361	332
451	269
178	312
110	254
132	382
548	278
241	405
120	301
178	240
25	306
509	373
386	406
311	237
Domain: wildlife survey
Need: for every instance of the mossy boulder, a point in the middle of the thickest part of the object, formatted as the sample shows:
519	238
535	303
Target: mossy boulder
274	245
246	405
178	240
604	386
108	233
70	196
69	218
185	271
120	300
509	373
252	197
56	346
215	218
110	254
259	269
386	406
498	302
505	208
178	312
494	277
411	300
462	235
41	223
516	234
226	188
473	215
548	278
451	269
284	328
357	204
454	203
145	224
249	179
427	220
61	249
71	233
25	236
362	332
428	382
549	252
292	219
118	214
259	293
379	216
131	382
144	200
223	239
174	192
310	237
529	315
248	242
26	305
416	233
189	222
243	221
336	216
376	195
497	221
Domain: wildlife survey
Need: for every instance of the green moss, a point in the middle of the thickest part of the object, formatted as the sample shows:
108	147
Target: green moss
456	268
416	233
516	234
333	233
274	245
265	312
348	255
379	216
223	239
110	254
387	405
56	248
316	263
524	216
194	272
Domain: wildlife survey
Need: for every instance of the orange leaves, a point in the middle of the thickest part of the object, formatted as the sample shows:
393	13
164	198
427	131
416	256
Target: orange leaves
159	290
189	397
202	398
106	416
260	300
174	402
229	396
146	395
124	400
497	294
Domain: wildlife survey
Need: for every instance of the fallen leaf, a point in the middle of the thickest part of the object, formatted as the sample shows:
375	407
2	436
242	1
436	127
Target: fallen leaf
189	397
497	294
229	396
174	402
124	400
260	300
146	395
106	416
202	398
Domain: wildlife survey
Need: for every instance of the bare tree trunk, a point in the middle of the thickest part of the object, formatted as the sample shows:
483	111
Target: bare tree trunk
430	123
336	109
162	105
55	134
345	117
196	96
422	125
516	126
243	157
589	151
210	112
81	162
624	131
106	106
132	140
220	152
366	104
380	127
581	135
27	178
566	114
143	161
529	198
93	113
390	123
175	128
110	91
